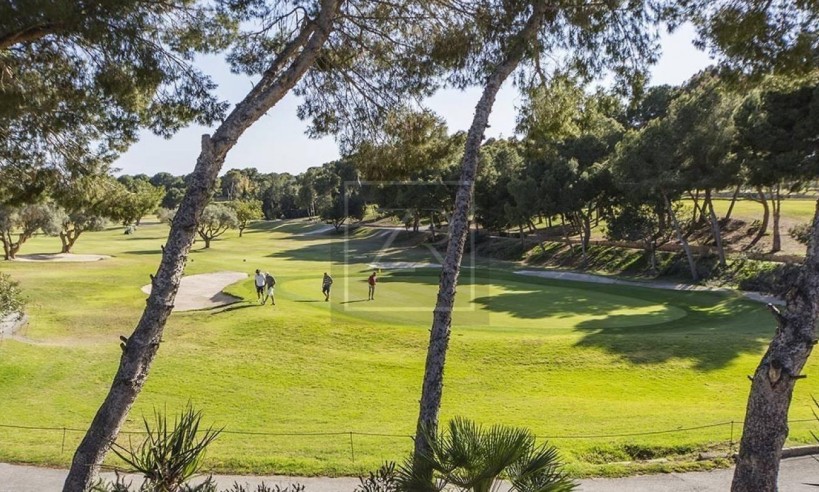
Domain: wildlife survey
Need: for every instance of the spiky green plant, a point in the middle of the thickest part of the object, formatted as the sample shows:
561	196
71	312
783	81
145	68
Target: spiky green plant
170	454
477	459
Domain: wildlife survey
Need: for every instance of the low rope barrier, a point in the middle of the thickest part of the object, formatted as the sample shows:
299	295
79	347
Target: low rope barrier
733	423
381	434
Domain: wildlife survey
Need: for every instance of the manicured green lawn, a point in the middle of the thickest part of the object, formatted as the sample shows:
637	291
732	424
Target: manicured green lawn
565	359
796	209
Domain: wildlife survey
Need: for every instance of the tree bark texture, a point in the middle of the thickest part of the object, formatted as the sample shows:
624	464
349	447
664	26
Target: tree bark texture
715	229
28	34
766	214
432	388
8	242
733	202
766	416
68	238
12	247
695	197
651	249
683	242
141	348
776	205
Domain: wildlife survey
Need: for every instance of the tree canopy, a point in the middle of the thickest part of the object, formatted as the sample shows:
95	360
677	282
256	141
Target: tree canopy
79	79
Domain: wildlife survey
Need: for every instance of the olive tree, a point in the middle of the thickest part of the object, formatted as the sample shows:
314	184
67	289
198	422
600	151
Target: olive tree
246	210
86	202
11	299
18	225
216	219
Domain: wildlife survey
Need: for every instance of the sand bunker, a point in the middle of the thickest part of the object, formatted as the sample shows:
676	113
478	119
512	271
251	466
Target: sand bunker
204	291
61	257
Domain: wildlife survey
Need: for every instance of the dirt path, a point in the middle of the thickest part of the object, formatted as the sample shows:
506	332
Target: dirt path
204	291
600	279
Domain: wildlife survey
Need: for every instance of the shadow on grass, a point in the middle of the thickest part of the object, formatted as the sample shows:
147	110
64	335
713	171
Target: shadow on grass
710	338
235	307
709	329
366	246
278	225
144	252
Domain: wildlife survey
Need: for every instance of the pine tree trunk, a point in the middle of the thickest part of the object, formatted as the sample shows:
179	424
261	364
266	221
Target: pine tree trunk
651	249
695	197
432	388
139	352
776	204
581	228
683	242
766	416
733	202
566	236
766	214
586	221
715	229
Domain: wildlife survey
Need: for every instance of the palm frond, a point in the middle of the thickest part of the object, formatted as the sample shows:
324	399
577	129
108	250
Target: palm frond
471	457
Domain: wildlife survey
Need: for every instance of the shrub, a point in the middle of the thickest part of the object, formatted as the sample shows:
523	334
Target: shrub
384	479
772	278
801	232
11	299
165	215
469	457
170	455
293	487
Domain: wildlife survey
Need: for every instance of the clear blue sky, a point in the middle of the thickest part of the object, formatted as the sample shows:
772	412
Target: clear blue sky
277	143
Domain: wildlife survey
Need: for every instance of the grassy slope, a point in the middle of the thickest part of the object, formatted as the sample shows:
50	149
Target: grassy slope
794	211
560	358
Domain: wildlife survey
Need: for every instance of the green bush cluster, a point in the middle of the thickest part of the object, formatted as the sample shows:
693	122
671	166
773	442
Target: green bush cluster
11	299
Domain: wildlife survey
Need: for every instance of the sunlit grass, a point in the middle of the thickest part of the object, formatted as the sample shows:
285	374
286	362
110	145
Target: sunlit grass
565	359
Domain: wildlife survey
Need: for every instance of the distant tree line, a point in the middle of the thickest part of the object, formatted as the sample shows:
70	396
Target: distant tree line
580	157
79	80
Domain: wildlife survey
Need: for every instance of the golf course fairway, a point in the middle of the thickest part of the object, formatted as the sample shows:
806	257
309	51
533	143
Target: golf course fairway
314	387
